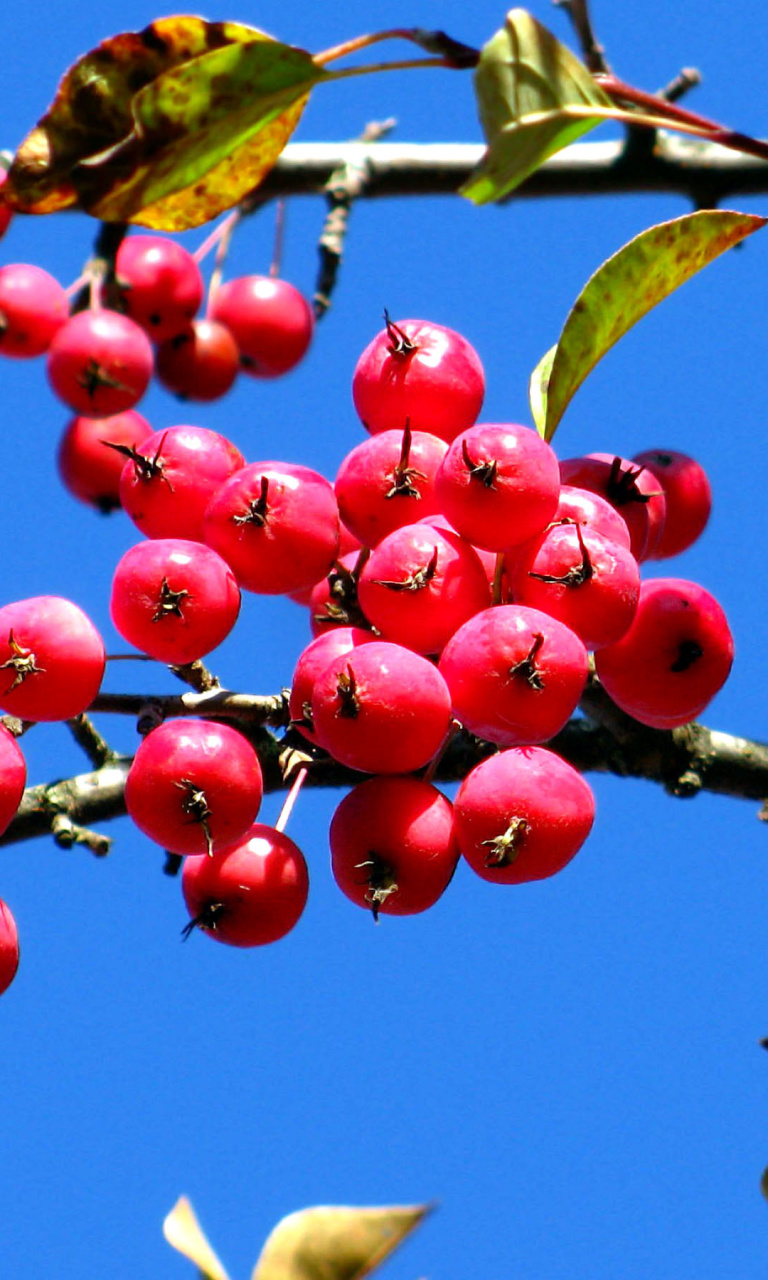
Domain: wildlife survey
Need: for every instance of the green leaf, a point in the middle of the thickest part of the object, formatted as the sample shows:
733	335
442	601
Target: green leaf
335	1242
621	292
167	126
534	97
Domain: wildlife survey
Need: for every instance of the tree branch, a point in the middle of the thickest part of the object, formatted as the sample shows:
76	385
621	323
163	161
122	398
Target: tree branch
685	761
703	172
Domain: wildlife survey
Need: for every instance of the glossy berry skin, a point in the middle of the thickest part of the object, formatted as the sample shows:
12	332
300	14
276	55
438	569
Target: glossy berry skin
498	484
388	480
596	582
270	321
89	468
13	777
174	599
100	363
673	659
630	488
194	786
9	947
381	709
688	499
420	584
515	675
251	893
585	508
522	815
160	284
199	363
312	662
393	850
276	524
33	307
422	373
167	487
51	659
333	600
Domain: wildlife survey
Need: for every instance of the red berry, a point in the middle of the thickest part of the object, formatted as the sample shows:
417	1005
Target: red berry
333	600
420	584
51	659
579	577
9	948
422	373
6	213
312	662
194	786
515	674
688	499
173	598
632	490
251	893
33	307
13	777
674	657
166	485
585	508
392	845
89	468
381	709
276	524
522	815
387	481
160	284
269	319
100	363
498	484
199	363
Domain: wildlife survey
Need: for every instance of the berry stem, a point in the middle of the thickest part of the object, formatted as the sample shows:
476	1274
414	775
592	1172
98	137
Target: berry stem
291	798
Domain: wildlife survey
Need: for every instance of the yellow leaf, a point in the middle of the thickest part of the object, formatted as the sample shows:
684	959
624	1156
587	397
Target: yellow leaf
183	1232
335	1242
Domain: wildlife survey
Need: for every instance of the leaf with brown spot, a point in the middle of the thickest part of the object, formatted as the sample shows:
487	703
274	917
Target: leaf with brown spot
335	1242
621	292
165	127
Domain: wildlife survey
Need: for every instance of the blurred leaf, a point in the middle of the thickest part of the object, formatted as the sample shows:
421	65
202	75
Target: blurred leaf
335	1242
166	127
534	97
621	292
183	1232
764	1183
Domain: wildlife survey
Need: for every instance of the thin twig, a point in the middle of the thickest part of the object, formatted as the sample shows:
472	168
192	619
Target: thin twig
592	51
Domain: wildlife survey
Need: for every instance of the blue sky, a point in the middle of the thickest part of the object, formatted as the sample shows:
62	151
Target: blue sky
570	1069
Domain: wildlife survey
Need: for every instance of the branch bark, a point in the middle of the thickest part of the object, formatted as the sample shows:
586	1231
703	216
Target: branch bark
685	761
704	173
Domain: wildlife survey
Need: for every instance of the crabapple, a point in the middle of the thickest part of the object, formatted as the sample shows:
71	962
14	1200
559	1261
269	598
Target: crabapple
159	284
387	481
6	213
673	659
392	845
100	363
251	892
311	663
333	600
632	490
198	363
688	499
579	577
9	947
276	524
381	709
194	786
583	507
173	598
269	319
167	483
51	659
418	372
515	674
13	777
498	484
421	583
33	307
522	815
89	468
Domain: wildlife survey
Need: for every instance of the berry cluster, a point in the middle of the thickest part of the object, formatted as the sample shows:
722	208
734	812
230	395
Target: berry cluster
458	578
100	360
